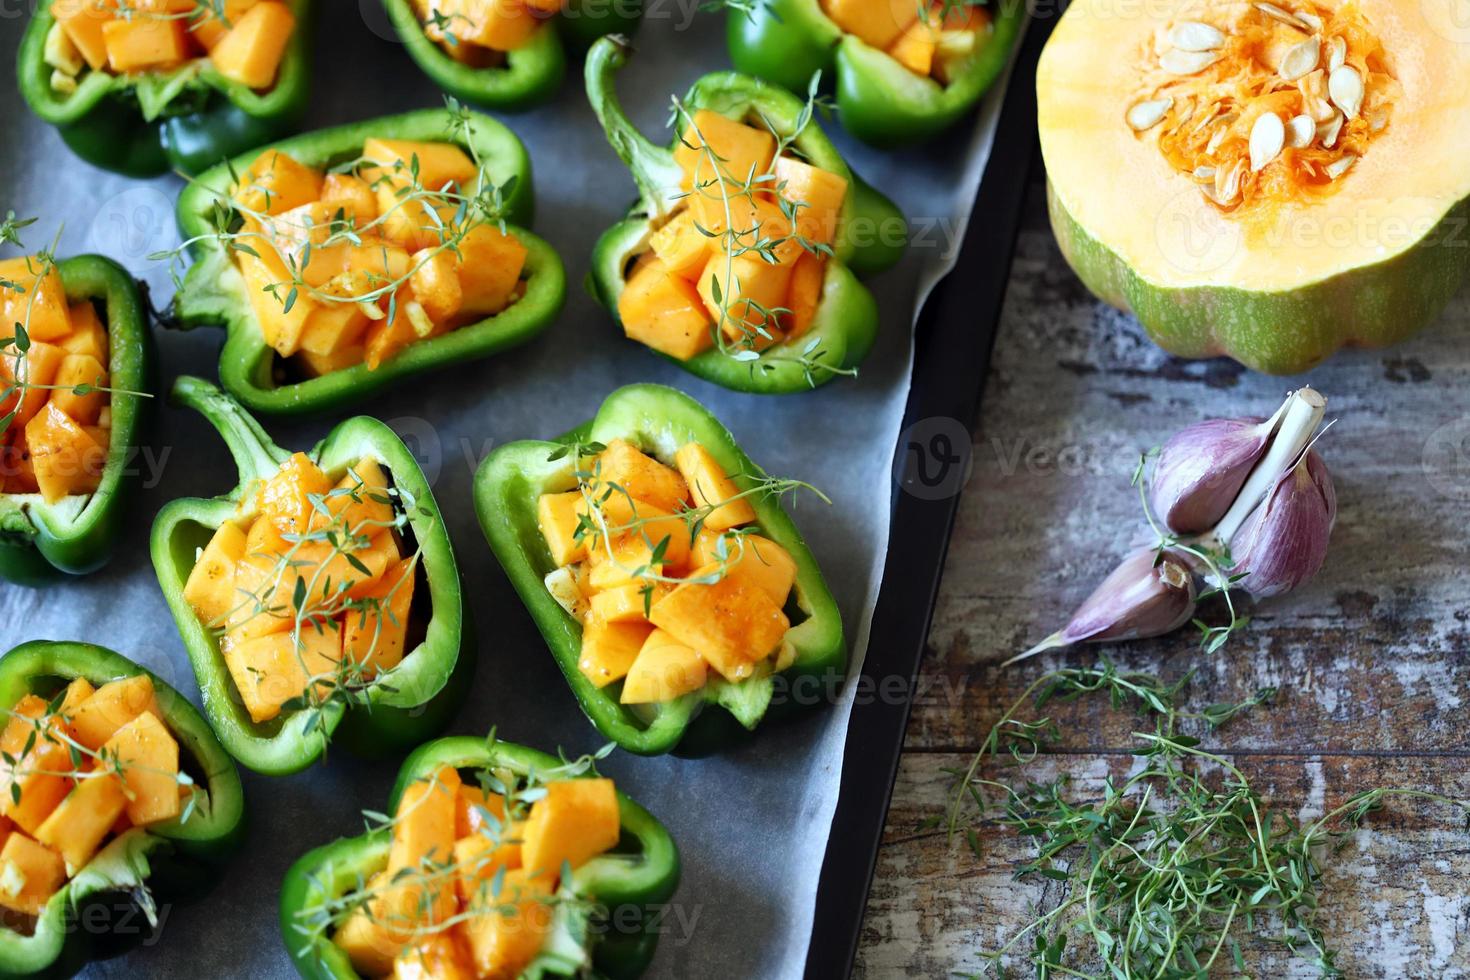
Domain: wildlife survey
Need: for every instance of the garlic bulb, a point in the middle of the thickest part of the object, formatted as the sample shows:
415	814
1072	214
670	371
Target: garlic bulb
1284	543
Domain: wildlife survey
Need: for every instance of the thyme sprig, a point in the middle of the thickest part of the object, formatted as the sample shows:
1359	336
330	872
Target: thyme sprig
1162	873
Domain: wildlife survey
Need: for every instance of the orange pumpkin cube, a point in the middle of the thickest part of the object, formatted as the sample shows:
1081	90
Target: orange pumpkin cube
88	335
914	48
331	327
715	148
316	365
82	22
210	589
65	459
270	670
875	22
36	367
31	294
286	499
268	285
31	783
752	294
435	282
30	873
275	183
501	25
474	808
504	938
209	29
84	372
77	826
558	520
819	194
682	246
633	472
574	822
436	164
609	649
374	637
627	603
804	294
113	705
709	485
664	311
480	855
732	623
755	226
352	195
360	503
664	669
251	51
144	42
437	956
149	758
753	559
423	835
490	264
368	943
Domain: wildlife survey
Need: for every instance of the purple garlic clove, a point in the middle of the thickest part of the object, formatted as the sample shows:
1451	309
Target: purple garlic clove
1202	468
1284	543
1149	594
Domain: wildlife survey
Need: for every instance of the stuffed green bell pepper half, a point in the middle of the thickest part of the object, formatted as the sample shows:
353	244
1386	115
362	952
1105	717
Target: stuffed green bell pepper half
76	360
740	260
497	861
663	572
509	54
117	799
319	599
143	88
352	258
904	71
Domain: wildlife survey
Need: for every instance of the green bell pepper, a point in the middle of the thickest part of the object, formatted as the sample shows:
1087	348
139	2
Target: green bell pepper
658	420
400	708
75	535
531	74
871	232
626	886
878	100
214	293
187	118
96	914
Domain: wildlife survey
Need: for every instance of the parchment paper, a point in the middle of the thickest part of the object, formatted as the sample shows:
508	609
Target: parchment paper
752	825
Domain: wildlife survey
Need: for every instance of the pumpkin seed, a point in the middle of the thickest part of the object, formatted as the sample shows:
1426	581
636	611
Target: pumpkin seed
1177	62
1284	16
1310	19
1216	138
1336	53
1321	110
1146	115
1345	87
1204	173
1340	166
1328	131
1300	131
1268	136
1300	59
1191	35
1227	183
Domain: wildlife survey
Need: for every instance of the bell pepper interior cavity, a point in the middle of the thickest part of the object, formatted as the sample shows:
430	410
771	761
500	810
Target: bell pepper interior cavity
74	353
322	591
110	782
734	262
490	864
347	259
145	87
662	570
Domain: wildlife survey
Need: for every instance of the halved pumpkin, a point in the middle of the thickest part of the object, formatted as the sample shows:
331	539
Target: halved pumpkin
1269	181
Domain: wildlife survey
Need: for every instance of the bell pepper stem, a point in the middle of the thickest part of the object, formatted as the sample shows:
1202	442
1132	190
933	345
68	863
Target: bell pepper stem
652	166
1298	418
256	456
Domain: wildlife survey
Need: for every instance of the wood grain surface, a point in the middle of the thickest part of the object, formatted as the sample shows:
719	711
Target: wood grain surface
1372	659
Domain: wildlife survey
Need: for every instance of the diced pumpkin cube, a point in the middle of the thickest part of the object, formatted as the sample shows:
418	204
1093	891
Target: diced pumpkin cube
210	589
32	295
82	21
875	22
632	555
437	164
664	669
489	269
818	195
330	327
316	365
77	693
502	945
731	622
715	148
364	272
251	51
286	498
389	337
114	704
144	42
263	585
268	286
87	373
609	649
31	786
360	502
36	367
755	226
269	670
638	475
208	29
423	836
375	636
437	956
682	247
752	558
276	183
751	291
368	943
64	458
88	335
557	517
628	603
574	822
352	195
664	311
471	809
149	758
914	48
709	486
77	826
497	24
15	464
804	294
435	282
481	854
30	873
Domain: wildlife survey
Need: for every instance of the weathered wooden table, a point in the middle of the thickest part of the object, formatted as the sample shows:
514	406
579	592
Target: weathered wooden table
1370	658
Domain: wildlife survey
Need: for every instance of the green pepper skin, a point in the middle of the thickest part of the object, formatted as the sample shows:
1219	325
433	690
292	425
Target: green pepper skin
40	542
213	293
104	125
178	860
426	688
871	234
878	100
642	872
507	486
